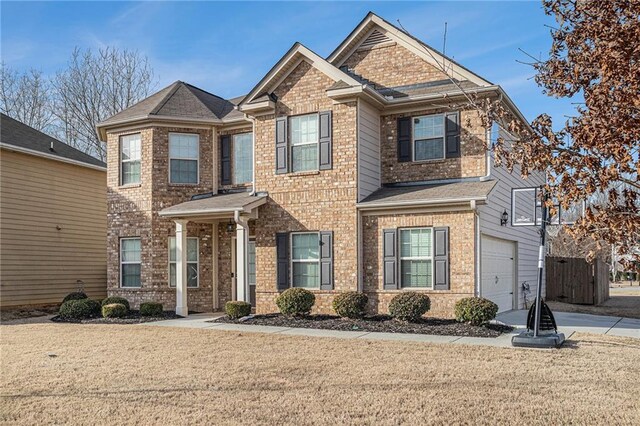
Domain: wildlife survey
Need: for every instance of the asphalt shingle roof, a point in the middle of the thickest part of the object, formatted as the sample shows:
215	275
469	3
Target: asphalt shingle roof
441	192
219	203
13	132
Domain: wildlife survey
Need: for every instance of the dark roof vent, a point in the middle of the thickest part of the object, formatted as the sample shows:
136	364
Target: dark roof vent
51	147
202	196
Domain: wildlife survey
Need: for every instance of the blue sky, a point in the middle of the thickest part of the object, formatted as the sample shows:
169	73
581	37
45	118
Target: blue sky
227	47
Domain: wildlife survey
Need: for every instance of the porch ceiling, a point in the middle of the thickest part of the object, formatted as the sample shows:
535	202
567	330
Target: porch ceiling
215	206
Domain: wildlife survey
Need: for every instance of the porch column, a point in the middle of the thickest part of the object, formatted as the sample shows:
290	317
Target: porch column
181	268
242	243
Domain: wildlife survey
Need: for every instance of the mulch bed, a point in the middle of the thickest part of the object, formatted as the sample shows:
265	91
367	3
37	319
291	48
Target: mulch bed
133	317
380	323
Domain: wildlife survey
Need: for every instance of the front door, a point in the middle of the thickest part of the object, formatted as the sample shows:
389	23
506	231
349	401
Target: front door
251	271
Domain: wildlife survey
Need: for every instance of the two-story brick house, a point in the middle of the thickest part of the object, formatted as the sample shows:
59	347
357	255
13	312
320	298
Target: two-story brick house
352	172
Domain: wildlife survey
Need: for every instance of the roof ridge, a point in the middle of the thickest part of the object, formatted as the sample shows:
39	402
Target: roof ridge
218	114
176	85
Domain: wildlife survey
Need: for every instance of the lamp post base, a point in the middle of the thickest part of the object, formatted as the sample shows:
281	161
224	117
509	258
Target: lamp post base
545	340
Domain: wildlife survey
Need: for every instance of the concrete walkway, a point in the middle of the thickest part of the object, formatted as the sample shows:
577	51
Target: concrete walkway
568	323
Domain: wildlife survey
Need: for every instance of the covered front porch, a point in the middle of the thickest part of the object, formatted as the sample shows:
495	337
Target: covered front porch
234	210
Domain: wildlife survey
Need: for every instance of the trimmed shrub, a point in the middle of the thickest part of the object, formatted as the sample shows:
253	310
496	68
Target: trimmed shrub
350	304
116	299
76	295
114	310
295	302
237	309
475	310
409	306
151	309
79	309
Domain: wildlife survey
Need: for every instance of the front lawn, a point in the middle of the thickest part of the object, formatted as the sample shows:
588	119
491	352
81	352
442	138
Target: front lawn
75	374
376	323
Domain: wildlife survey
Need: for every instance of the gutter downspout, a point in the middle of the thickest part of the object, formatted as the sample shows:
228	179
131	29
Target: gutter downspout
253	153
487	155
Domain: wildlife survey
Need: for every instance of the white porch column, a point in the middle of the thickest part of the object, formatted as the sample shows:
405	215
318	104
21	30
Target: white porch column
181	268
242	243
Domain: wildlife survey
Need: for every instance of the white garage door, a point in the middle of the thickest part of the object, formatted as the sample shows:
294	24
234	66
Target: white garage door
498	271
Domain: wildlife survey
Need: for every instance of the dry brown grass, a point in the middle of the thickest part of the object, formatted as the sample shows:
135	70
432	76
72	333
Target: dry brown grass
154	375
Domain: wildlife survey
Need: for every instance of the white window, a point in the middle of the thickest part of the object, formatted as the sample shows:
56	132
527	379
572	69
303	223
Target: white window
183	158
243	158
192	262
428	137
416	257
130	262
304	142
130	159
305	260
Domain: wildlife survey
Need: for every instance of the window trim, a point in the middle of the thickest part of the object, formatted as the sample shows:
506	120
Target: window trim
197	262
233	158
290	144
120	161
130	263
291	261
197	182
401	258
413	139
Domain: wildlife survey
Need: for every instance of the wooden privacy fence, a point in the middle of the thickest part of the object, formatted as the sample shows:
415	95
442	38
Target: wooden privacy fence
574	280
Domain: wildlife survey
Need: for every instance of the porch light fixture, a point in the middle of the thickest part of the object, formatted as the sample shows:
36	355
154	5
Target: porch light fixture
231	227
504	218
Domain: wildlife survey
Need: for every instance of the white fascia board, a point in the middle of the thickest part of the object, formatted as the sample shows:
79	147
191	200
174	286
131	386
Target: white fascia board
103	127
35	153
390	205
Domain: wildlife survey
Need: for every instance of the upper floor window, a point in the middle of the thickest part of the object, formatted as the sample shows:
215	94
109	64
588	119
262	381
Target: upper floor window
416	257
130	159
243	158
428	137
192	262
183	158
304	142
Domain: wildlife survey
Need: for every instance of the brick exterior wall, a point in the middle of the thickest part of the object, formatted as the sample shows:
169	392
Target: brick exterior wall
471	163
391	66
315	201
461	258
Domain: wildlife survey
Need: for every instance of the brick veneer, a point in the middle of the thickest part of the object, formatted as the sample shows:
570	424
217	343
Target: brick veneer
471	163
462	264
391	66
315	201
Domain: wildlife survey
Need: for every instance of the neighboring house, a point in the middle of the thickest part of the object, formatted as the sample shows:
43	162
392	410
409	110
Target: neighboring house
53	226
352	172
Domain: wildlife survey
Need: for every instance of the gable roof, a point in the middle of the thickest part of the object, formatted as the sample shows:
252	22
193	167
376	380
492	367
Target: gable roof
180	101
298	52
19	137
374	29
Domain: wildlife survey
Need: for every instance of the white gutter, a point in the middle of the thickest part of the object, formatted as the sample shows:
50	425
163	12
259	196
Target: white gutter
434	202
35	153
487	155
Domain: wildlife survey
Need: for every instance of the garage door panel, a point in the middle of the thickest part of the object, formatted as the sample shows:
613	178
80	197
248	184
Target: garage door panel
498	271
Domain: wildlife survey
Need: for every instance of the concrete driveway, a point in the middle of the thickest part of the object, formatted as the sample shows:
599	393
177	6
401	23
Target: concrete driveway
569	323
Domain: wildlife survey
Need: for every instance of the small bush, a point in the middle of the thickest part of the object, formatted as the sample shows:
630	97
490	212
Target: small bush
295	301
409	306
114	310
237	309
350	304
116	299
151	309
76	295
475	310
79	309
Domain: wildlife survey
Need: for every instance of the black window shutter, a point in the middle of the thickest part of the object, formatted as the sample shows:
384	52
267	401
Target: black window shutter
282	148
452	126
325	147
326	260
390	258
225	160
404	139
441	258
282	254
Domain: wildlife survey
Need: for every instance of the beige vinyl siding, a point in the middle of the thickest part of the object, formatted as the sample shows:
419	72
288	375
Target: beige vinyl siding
368	150
40	264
